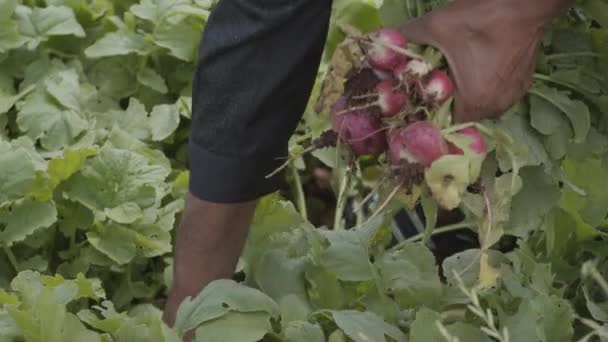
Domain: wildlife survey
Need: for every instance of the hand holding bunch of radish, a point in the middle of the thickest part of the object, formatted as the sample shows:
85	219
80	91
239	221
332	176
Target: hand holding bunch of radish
394	103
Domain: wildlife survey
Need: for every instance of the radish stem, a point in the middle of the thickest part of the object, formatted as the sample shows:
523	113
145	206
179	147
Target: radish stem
341	203
365	96
397	49
572	54
372	192
351	109
290	159
301	199
436	231
384	204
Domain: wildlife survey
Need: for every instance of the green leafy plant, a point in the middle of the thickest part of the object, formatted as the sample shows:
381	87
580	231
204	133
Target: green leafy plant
94	118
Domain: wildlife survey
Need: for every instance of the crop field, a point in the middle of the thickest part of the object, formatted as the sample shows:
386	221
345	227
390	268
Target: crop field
95	110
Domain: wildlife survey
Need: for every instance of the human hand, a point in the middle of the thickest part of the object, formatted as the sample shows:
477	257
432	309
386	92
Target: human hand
491	47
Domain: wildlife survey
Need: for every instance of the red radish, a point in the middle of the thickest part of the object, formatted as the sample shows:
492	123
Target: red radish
478	143
361	130
380	55
420	142
439	87
390	101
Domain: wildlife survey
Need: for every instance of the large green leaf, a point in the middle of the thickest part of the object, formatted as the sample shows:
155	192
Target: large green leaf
115	76
23	219
58	170
282	278
590	176
538	195
180	38
411	276
8	95
9	33
366	326
55	127
347	256
467	332
150	78
273	215
39	24
302	331
43	316
526	147
575	110
115	177
134	120
123	243
220	298
142	324
158	10
164	120
324	289
235	326
119	43
17	174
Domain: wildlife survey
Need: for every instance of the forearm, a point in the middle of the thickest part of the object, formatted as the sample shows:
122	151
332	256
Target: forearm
524	12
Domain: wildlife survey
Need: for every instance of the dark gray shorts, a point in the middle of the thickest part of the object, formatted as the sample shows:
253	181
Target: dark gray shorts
257	65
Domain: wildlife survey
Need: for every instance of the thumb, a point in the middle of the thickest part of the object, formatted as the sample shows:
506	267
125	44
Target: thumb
422	31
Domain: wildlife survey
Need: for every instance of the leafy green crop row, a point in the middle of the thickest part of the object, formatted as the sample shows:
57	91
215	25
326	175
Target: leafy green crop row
94	119
94	107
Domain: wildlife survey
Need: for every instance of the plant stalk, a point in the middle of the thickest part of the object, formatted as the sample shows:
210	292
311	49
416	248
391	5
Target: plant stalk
11	258
440	230
341	203
300	198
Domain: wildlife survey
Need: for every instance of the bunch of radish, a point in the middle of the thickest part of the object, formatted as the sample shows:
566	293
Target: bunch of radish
391	105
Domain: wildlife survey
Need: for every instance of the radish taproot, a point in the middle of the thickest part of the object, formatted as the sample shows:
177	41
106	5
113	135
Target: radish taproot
420	142
361	130
438	88
390	100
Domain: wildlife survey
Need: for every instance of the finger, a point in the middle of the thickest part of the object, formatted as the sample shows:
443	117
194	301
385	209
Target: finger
465	111
498	95
460	112
423	31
